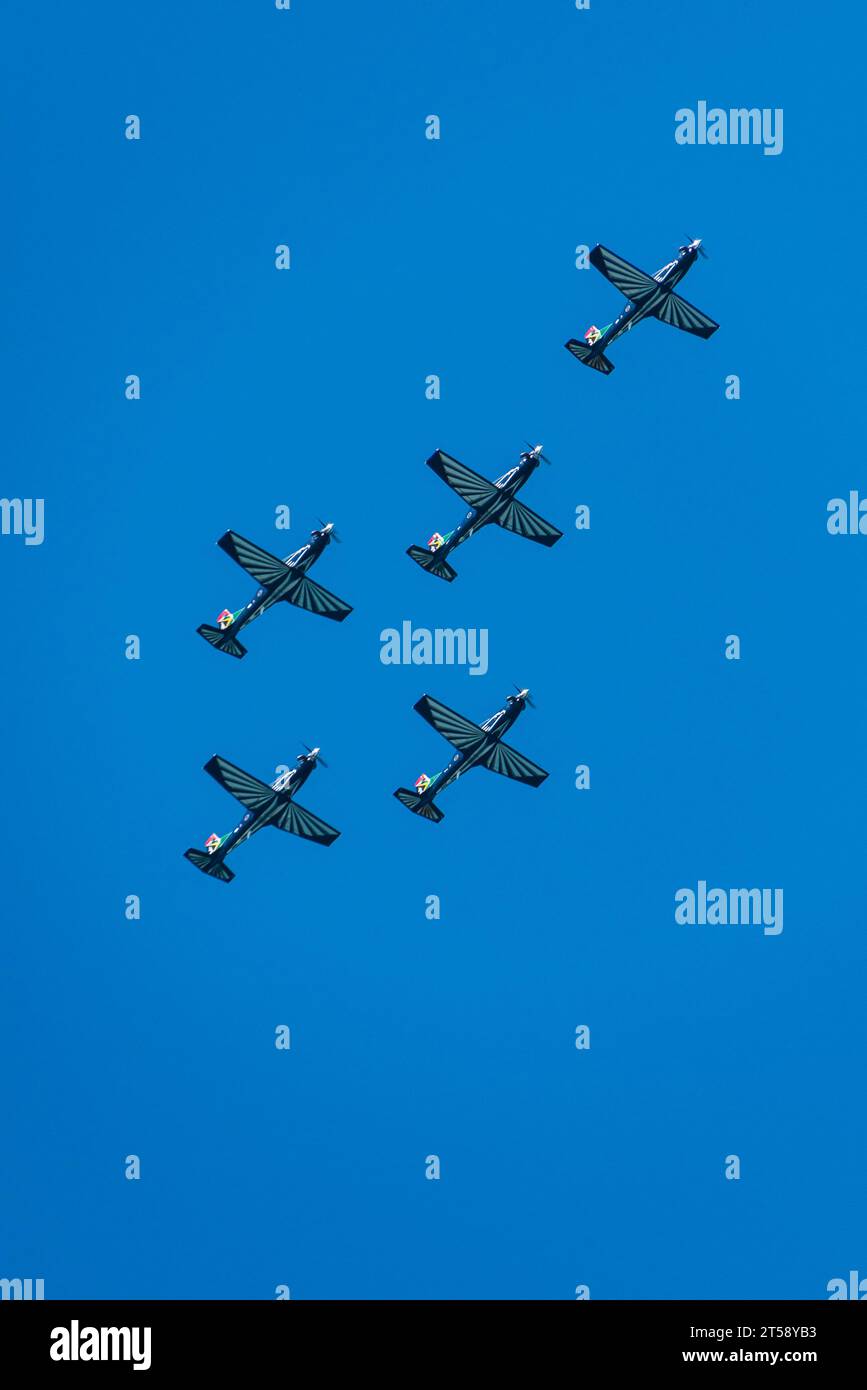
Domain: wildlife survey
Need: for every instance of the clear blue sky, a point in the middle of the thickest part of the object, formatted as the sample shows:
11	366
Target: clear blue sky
409	1037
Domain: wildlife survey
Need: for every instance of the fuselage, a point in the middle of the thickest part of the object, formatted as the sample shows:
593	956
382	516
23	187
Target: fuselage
297	563
667	277
284	789
507	487
495	727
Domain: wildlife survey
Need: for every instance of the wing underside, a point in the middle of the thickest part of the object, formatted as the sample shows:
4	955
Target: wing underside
462	733
299	821
472	487
633	283
245	788
265	568
525	522
681	314
508	761
310	595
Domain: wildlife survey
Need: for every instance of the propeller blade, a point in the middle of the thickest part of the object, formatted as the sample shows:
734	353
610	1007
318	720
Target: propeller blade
527	700
319	757
532	447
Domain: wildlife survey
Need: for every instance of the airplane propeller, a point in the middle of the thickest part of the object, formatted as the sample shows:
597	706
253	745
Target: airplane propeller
315	755
696	242
537	450
329	526
524	694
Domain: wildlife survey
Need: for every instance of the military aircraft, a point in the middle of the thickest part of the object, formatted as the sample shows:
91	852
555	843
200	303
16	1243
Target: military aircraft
277	579
265	805
488	502
477	746
649	296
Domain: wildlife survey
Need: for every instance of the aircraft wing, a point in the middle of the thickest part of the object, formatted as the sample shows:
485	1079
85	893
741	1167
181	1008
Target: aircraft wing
635	284
310	595
266	569
472	487
299	821
461	733
245	788
524	522
681	314
507	760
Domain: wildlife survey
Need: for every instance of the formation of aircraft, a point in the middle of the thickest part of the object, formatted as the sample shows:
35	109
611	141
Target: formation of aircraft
264	804
489	501
278	580
649	296
476	745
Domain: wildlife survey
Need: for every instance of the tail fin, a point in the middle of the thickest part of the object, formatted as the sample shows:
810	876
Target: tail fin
222	639
589	356
216	868
418	805
430	561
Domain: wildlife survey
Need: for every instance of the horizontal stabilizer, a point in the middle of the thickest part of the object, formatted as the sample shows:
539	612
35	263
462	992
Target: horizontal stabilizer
527	523
461	733
431	561
222	639
589	356
310	595
508	761
681	314
243	786
418	805
215	868
299	821
472	487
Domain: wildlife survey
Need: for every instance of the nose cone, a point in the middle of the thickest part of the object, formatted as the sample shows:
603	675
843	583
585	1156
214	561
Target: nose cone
314	753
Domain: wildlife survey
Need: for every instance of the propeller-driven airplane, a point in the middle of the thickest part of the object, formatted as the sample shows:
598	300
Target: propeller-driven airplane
265	805
489	502
277	579
649	296
476	745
